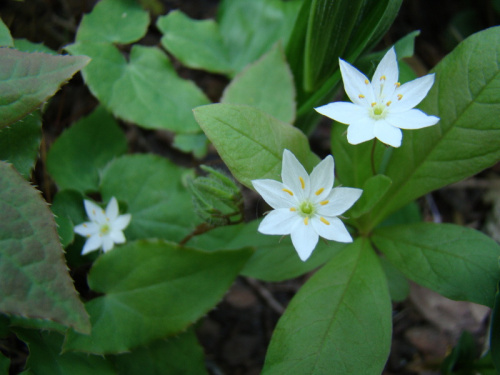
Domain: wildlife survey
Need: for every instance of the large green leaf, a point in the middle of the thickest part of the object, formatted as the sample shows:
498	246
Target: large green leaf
275	258
251	142
34	280
258	85
45	356
5	37
151	189
4	365
466	96
153	289
28	79
20	143
180	355
339	322
459	263
76	159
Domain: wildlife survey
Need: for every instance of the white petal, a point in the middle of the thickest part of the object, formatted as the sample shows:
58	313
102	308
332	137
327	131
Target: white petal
294	176
273	193
361	131
87	228
304	239
412	119
322	179
335	230
121	222
94	212
107	243
343	112
412	92
386	75
388	134
339	201
93	243
117	236
112	209
279	221
356	84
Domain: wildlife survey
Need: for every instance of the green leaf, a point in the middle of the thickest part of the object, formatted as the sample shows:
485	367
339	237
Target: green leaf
78	156
466	140
145	90
197	43
68	210
153	289
275	258
19	143
4	365
251	142
5	37
180	355
339	321
34	280
195	143
495	331
373	190
399	287
29	79
27	46
258	84
459	263
114	21
152	190
46	358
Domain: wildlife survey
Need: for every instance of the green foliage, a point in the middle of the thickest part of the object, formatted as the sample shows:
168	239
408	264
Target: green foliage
5	37
28	79
399	287
4	365
152	289
340	319
19	143
75	161
495	331
250	141
34	281
459	263
67	207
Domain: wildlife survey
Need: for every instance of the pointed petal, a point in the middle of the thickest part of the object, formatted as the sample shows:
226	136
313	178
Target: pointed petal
273	193
122	222
361	131
339	201
412	119
388	134
386	75
93	243
412	92
86	229
295	176
335	230
322	178
356	84
107	243
117	236
343	112
304	239
112	209
94	212
279	221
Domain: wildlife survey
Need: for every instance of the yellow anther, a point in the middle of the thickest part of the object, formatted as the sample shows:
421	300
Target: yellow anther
361	96
388	103
88	236
293	209
324	221
323	202
84	225
93	212
319	191
366	81
288	191
400	96
306	220
397	84
302	183
382	78
374	104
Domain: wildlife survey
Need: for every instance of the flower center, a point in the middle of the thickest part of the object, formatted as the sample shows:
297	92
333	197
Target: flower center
306	208
378	110
105	229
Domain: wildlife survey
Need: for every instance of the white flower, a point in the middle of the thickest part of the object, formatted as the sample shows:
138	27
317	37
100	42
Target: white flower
105	228
306	206
383	107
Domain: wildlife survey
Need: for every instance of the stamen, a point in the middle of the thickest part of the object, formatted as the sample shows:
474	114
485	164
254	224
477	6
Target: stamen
323	203
84	225
93	212
324	221
302	183
88	236
366	81
388	103
374	104
319	191
397	84
382	78
293	209
400	96
361	96
306	220
288	191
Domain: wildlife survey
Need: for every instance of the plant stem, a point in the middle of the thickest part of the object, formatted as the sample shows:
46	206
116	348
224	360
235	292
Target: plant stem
374	171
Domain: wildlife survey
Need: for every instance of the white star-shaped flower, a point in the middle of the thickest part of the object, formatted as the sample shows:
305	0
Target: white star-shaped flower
382	107
306	207
105	228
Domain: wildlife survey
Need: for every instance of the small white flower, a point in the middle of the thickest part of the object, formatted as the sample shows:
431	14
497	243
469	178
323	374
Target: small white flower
306	206
382	107
105	228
